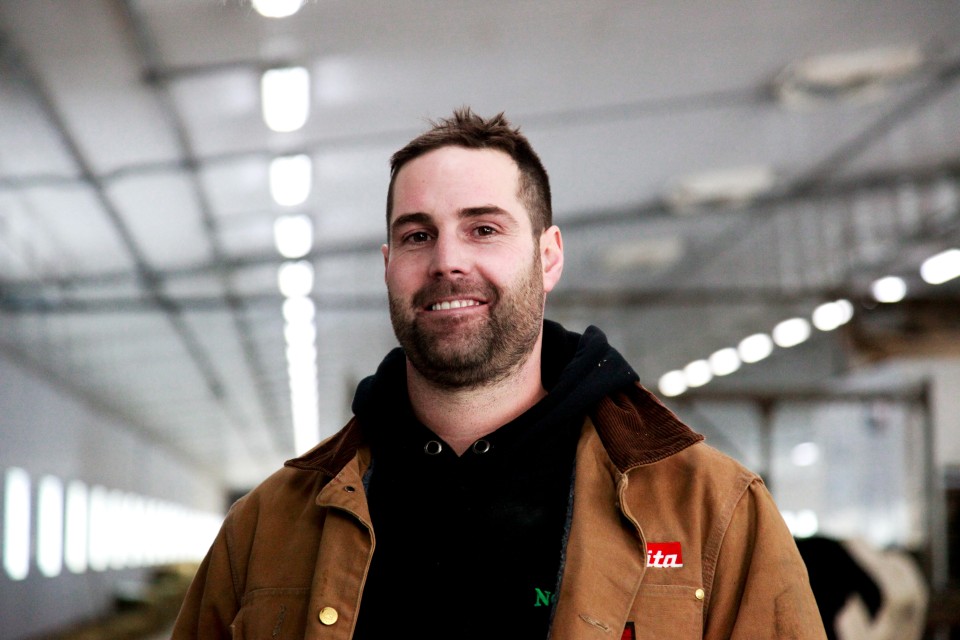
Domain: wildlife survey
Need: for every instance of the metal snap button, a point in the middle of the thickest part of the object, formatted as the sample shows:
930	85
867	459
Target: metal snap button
699	594
328	616
481	446
432	448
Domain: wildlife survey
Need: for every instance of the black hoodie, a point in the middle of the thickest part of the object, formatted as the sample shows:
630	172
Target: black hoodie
470	546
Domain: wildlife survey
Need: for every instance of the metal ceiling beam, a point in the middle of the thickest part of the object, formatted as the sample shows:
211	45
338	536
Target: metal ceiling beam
150	57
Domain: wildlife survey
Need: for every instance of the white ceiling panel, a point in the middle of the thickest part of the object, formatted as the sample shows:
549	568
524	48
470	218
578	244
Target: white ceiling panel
243	235
238	187
63	230
164	219
28	146
259	279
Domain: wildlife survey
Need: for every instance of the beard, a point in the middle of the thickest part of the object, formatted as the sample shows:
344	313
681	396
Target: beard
475	351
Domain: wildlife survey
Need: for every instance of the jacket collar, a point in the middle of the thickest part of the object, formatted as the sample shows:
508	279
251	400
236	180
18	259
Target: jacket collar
634	427
333	454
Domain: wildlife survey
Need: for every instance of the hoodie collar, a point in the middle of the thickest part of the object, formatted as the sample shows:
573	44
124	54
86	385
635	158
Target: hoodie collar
583	374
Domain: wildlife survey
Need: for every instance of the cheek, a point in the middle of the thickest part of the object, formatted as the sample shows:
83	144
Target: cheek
508	274
399	275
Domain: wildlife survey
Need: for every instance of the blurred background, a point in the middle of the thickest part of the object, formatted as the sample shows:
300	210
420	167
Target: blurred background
760	204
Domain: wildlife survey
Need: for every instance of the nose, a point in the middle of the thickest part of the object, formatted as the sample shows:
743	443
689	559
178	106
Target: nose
449	257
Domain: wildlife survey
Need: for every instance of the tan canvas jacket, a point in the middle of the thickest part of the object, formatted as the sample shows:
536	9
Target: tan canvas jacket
291	558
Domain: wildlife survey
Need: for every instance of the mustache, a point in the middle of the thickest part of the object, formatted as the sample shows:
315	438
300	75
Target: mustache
458	289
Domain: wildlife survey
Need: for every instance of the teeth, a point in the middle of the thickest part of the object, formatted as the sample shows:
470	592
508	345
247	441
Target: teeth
455	304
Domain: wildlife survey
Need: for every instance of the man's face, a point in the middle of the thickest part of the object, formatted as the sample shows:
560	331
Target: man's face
465	275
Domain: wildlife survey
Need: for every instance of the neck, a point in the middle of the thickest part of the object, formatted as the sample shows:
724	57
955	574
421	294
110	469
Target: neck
462	416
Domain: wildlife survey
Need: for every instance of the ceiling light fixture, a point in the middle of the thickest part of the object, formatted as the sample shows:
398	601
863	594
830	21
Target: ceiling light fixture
300	334
306	417
672	383
285	98
301	354
856	74
17	519
300	309
293	235
724	362
889	289
277	8
806	524
942	267
728	187
643	254
49	548
790	333
295	279
830	315
697	373
805	454
291	179
76	528
301	359
755	348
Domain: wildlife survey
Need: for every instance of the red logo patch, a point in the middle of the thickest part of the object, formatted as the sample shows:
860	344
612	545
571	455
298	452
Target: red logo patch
629	632
664	554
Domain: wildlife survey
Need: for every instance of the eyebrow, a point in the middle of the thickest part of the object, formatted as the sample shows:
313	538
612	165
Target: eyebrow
419	217
486	210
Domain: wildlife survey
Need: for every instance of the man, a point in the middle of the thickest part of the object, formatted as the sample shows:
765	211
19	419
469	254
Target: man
502	476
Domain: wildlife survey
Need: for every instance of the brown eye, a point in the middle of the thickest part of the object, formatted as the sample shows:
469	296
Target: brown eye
418	237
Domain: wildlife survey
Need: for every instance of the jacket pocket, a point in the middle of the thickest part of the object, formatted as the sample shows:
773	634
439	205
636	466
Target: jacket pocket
274	614
668	612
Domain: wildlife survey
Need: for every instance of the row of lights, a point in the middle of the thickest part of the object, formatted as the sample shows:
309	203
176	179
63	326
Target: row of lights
285	101
943	267
96	528
935	270
754	348
290	183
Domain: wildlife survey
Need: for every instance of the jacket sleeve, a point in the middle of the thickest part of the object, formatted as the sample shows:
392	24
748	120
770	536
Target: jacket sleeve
212	602
760	586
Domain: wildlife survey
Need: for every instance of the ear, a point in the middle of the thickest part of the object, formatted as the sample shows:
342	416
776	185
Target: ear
385	250
551	257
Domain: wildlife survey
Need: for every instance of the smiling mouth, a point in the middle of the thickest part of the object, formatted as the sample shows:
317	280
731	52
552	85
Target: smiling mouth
454	304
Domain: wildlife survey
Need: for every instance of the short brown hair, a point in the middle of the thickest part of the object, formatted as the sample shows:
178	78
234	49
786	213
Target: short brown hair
467	129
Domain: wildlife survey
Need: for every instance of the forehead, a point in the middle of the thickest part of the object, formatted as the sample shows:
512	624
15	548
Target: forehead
457	178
